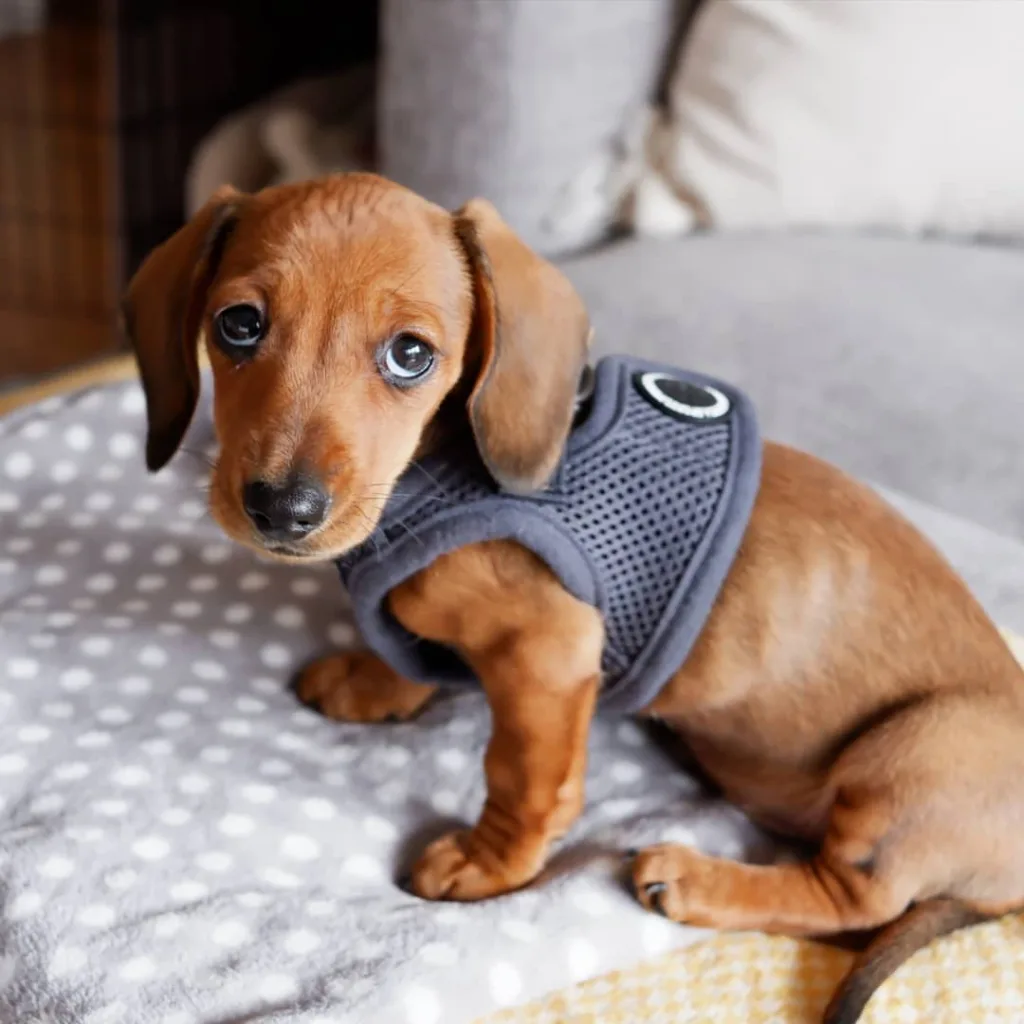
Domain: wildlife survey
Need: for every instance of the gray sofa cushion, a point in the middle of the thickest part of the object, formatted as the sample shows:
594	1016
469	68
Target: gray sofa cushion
900	361
512	99
992	565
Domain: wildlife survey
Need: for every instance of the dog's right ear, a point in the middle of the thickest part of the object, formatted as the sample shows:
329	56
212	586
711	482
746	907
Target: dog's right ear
532	331
162	313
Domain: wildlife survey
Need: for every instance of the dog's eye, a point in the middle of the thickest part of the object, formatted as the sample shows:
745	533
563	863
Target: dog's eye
406	359
239	327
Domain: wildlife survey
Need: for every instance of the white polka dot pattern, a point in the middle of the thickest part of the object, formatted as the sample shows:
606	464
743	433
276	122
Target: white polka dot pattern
174	822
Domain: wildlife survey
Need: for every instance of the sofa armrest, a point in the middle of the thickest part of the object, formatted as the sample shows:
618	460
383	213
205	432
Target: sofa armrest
512	99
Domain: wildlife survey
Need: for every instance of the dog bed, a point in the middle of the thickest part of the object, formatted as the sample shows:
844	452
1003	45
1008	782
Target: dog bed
182	843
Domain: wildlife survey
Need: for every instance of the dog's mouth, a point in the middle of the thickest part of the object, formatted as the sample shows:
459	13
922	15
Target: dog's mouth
325	544
288	554
289	551
294	554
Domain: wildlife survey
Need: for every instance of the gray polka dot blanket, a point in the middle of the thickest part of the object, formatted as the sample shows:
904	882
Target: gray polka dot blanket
182	843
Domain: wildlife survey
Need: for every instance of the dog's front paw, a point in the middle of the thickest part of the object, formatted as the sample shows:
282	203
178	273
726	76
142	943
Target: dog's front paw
458	867
678	883
357	686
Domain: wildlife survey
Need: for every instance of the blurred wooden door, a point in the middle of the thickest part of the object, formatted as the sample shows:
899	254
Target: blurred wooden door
101	105
59	250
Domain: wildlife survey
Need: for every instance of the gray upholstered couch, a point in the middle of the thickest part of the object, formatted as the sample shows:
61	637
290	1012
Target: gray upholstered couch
902	360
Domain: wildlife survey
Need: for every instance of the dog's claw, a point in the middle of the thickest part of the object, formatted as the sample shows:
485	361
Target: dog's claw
653	891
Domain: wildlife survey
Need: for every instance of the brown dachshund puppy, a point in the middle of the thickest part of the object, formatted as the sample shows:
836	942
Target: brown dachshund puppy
847	689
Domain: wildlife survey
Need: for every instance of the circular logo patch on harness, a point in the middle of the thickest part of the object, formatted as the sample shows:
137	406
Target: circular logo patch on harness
693	403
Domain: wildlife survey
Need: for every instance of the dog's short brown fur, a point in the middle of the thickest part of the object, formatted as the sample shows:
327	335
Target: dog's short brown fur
846	690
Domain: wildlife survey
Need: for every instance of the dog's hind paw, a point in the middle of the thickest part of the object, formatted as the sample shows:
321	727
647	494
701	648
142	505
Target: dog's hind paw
678	883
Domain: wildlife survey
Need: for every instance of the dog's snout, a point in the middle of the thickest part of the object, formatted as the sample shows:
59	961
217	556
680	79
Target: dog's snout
286	512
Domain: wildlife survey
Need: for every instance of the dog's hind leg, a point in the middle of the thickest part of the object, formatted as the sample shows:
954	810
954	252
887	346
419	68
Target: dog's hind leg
927	812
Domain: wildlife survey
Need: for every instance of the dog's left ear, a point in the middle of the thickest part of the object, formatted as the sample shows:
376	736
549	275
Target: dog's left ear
162	310
532	332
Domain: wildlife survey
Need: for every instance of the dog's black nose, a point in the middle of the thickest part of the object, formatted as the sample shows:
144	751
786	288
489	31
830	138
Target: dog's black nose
287	512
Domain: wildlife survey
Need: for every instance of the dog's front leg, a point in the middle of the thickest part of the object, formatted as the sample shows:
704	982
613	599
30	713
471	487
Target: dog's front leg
534	764
537	652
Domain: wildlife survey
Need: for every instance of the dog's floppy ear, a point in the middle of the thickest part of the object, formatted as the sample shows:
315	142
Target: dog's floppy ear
162	310
532	332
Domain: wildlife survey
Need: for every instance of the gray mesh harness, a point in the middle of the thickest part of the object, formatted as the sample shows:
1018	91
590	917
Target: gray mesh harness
642	519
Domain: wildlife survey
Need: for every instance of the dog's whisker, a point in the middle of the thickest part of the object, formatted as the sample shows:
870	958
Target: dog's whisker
408	529
374	531
400	494
405	281
430	476
197	453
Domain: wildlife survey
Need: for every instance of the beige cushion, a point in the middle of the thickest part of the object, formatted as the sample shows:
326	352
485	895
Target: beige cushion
900	114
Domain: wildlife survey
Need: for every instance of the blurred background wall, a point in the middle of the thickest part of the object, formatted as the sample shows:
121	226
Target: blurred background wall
102	103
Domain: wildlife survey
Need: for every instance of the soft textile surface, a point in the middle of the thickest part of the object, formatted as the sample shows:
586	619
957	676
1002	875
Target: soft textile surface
521	101
180	842
902	115
974	976
899	360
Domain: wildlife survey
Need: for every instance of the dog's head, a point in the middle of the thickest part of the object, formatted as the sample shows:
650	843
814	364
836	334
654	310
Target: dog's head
342	319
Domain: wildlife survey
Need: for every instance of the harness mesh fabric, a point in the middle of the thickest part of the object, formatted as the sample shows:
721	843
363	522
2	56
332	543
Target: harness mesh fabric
642	519
648	501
